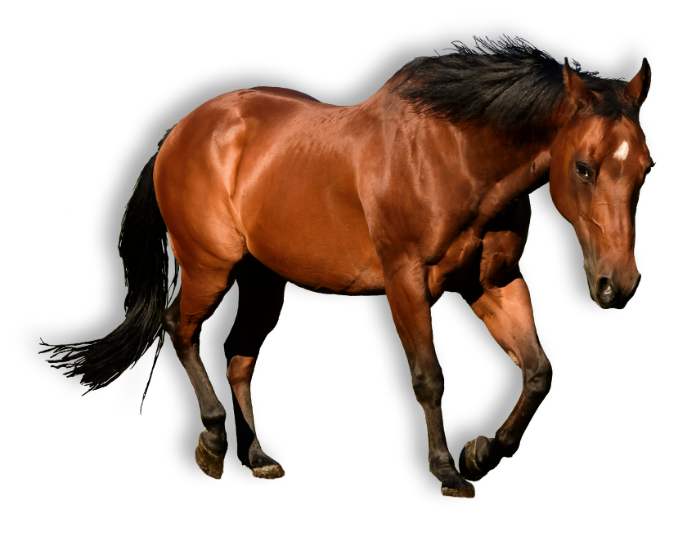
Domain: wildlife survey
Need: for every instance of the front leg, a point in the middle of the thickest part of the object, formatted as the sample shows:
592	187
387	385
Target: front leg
409	299
507	313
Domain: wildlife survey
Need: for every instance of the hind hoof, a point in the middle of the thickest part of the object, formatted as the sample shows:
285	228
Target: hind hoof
208	462
272	471
466	492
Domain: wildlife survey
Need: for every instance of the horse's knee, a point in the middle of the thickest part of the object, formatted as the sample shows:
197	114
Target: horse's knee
428	385
538	379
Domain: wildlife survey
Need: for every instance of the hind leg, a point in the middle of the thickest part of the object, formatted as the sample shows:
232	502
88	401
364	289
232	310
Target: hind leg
199	296
261	294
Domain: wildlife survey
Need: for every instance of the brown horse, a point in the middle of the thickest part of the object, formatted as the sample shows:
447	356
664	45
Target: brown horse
421	189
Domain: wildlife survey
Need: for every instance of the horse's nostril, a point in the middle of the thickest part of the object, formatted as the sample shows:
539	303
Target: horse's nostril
606	292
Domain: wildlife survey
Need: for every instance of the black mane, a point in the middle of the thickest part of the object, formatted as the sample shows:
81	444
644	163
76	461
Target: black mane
508	84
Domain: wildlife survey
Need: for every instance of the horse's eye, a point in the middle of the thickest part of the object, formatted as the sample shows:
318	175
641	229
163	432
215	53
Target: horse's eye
583	171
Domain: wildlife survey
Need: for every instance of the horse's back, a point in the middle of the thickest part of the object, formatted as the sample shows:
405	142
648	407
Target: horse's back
281	93
271	172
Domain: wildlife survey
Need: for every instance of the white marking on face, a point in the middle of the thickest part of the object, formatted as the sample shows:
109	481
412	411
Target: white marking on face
515	359
621	153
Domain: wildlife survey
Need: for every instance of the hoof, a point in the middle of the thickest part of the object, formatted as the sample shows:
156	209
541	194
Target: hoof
464	492
272	471
467	462
208	462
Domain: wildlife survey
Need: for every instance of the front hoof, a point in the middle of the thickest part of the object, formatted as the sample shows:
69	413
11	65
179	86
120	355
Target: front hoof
473	458
466	490
271	471
452	482
210	463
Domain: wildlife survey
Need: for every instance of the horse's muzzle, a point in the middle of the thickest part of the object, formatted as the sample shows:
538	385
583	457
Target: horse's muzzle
608	293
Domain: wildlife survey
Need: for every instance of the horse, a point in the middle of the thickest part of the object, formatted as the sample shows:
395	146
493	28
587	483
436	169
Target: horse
421	189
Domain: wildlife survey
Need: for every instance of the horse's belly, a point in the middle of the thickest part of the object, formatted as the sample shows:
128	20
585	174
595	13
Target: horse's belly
325	259
326	271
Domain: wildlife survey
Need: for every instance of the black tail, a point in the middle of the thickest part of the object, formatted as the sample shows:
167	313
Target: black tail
143	246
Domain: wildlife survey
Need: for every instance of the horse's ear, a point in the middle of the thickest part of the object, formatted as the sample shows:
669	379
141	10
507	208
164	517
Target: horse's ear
576	89
637	89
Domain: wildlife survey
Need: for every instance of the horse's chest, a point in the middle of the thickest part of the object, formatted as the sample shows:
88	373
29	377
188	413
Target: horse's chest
483	250
462	255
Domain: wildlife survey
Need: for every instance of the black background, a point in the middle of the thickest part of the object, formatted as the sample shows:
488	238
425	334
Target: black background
333	399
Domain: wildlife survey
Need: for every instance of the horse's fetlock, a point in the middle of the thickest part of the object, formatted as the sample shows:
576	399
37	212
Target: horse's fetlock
214	416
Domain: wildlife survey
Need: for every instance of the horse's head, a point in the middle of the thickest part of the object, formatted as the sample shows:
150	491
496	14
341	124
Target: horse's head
599	163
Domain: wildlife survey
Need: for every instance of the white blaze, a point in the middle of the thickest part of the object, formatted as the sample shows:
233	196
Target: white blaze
621	153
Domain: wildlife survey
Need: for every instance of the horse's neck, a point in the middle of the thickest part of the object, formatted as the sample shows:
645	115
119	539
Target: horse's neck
506	169
502	169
